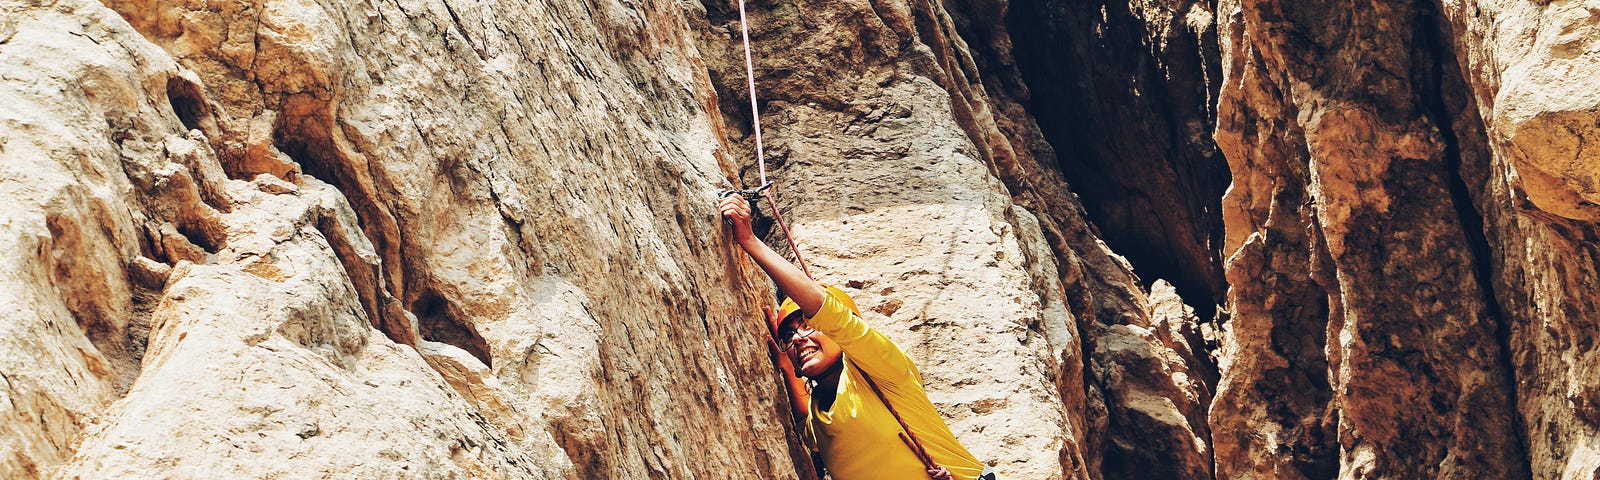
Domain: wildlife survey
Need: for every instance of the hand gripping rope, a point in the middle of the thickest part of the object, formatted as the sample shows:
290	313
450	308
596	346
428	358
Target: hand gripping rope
765	191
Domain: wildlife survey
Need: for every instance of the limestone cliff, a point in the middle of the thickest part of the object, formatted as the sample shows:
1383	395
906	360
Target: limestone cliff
477	239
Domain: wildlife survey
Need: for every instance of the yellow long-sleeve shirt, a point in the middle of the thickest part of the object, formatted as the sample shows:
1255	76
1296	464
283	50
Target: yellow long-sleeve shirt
858	436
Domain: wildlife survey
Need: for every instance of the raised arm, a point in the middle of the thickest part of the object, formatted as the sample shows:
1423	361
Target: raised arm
790	278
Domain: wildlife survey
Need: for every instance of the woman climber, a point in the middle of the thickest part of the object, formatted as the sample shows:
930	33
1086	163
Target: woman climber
864	390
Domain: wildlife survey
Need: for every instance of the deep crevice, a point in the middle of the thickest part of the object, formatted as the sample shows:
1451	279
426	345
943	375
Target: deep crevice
307	140
1439	112
438	322
187	103
1131	125
201	237
367	278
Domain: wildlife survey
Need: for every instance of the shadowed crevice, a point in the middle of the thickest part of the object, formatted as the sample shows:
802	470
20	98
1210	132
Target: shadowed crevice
201	237
188	103
1130	117
308	139
1447	100
438	322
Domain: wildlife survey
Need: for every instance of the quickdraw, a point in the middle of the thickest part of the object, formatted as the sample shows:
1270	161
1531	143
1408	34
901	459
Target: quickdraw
751	194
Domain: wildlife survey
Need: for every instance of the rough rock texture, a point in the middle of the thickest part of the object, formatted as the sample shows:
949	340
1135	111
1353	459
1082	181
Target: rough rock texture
1126	93
1410	299
477	239
469	279
354	206
916	177
1529	172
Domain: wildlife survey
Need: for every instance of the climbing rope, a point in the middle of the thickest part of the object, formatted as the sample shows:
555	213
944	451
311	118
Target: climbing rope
761	156
765	191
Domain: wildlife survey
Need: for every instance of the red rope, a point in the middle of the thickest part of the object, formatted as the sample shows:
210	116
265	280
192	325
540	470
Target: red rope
761	160
905	430
761	156
792	247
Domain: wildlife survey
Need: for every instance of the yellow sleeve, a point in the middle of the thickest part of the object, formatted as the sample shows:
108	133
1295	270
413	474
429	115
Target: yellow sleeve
865	346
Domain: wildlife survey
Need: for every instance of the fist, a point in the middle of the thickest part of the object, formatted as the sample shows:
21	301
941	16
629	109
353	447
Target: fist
737	211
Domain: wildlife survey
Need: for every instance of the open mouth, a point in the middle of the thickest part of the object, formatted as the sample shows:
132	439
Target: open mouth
807	352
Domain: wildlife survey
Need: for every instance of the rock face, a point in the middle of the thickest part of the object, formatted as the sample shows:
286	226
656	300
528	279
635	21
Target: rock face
1403	283
1126	93
918	179
268	239
475	239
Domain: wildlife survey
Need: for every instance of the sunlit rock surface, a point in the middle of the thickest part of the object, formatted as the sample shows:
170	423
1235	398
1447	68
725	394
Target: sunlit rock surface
477	239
